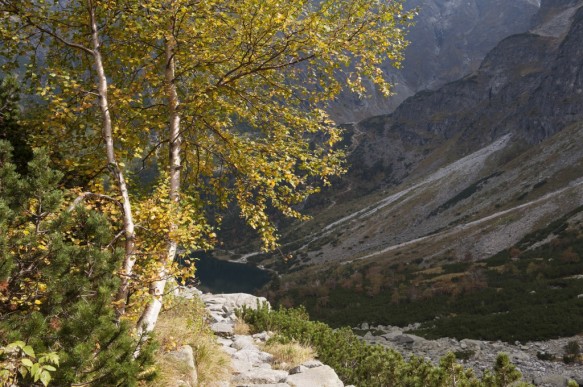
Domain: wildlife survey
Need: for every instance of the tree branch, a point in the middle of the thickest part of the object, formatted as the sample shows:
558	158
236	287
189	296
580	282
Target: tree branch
60	39
85	195
154	149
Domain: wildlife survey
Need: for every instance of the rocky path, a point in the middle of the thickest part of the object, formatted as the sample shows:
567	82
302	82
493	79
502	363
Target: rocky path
250	365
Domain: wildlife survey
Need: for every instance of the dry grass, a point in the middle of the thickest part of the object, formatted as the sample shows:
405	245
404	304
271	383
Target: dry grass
430	271
444	277
241	328
170	372
288	356
183	323
212	363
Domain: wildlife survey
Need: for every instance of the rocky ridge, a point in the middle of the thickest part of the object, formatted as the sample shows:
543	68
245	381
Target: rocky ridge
528	85
480	355
449	40
527	92
250	365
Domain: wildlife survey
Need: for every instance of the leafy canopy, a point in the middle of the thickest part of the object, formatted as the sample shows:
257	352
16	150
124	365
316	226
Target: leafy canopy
237	89
253	78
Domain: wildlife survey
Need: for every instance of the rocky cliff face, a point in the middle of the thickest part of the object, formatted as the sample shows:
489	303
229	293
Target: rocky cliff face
449	40
530	85
447	165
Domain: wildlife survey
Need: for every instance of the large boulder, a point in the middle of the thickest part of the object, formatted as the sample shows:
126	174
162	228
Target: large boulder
404	340
187	292
261	376
554	380
323	376
253	356
243	342
222	329
232	301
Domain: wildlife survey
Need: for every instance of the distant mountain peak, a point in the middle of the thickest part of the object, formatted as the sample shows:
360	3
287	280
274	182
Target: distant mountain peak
449	40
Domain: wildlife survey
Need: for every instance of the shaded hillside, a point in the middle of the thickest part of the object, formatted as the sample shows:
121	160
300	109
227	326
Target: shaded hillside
522	293
529	85
449	39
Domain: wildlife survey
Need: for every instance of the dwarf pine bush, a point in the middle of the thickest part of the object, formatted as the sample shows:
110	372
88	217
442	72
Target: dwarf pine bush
366	365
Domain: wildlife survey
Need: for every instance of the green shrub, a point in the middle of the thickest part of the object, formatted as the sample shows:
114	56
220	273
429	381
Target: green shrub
371	365
464	355
57	283
573	348
505	374
572	351
18	361
457	267
523	300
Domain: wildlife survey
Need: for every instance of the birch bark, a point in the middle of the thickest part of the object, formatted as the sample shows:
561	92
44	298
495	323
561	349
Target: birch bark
149	317
114	167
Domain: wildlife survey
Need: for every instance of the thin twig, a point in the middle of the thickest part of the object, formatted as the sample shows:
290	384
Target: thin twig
84	195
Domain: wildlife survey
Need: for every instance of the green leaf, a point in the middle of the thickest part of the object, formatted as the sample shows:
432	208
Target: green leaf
49	368
34	371
23	371
27	362
16	344
45	378
28	350
53	358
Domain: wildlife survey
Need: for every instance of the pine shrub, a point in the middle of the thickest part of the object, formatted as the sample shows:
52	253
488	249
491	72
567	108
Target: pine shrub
362	364
57	280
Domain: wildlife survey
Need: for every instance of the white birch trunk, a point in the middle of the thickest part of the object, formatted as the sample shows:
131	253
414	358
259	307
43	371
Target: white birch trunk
107	132
149	317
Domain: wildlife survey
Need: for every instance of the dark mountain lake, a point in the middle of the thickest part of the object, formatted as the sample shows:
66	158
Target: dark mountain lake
220	276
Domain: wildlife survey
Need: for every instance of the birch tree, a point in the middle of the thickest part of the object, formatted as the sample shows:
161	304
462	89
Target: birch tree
226	99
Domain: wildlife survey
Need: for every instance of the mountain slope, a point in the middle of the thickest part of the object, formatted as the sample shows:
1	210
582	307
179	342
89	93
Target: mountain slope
449	39
529	85
463	209
467	169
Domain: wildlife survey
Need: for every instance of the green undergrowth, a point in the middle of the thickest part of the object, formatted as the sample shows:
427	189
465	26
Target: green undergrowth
364	365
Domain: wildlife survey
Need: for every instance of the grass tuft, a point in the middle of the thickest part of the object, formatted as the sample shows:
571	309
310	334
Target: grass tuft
183	322
241	327
289	355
